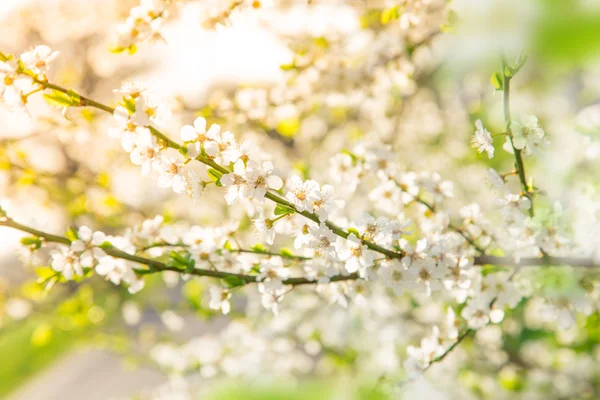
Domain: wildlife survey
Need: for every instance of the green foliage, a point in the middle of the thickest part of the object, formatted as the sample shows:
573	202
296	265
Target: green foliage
567	33
452	22
281	210
390	14
497	80
182	259
214	174
60	99
288	127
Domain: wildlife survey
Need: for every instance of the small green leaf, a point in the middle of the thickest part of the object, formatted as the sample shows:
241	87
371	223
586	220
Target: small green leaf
190	266
288	67
321	42
227	246
355	231
509	72
521	60
31	240
129	104
288	127
234	281
178	259
497	80
214	174
391	14
218	183
259	248
286	252
72	234
106	245
452	22
352	155
60	99
5	57
117	49
281	210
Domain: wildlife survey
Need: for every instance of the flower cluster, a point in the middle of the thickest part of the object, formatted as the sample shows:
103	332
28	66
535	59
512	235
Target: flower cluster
85	254
143	24
15	85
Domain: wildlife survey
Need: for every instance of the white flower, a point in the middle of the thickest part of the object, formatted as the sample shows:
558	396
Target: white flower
250	180
125	129
272	273
150	109
495	181
527	134
171	174
114	269
219	299
220	142
322	203
395	276
195	185
430	274
477	312
513	206
357	257
343	170
196	135
131	89
387	197
423	355
413	255
38	59
66	262
10	93
245	151
482	140
86	245
145	151
302	193
319	239
266	226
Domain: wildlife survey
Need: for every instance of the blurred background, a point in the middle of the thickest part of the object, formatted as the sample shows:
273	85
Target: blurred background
303	81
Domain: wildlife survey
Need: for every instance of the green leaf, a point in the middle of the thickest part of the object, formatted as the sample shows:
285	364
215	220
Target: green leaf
288	67
31	241
227	246
286	252
259	248
352	155
5	57
281	210
497	80
452	22
521	60
288	127
190	266
129	104
106	245
72	234
178	259
60	99
391	14
355	231
214	174
509	72
321	42
234	281
117	49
